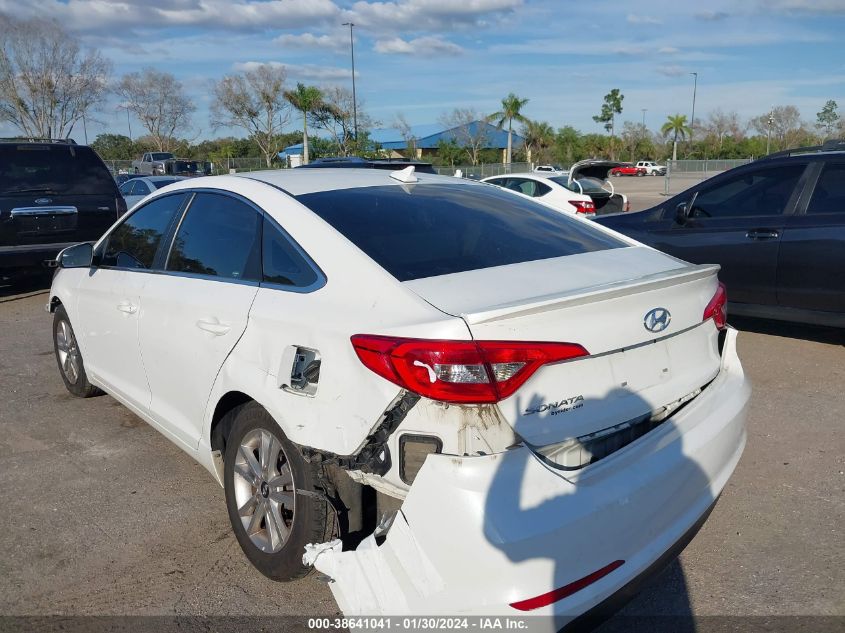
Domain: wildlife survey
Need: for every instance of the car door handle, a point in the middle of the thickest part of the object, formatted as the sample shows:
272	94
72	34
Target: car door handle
127	307
214	326
762	234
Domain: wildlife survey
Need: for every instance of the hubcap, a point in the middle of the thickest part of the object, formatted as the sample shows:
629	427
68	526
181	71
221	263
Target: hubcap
68	352
264	490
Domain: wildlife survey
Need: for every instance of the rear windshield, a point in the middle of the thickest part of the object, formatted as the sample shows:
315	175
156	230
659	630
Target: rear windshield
186	166
161	155
159	183
588	185
57	169
427	230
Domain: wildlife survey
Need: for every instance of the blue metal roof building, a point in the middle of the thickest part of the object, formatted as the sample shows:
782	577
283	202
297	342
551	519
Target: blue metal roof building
427	138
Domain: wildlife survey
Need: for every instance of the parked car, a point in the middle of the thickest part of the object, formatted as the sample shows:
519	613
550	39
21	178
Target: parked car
164	163
53	193
776	226
135	189
553	169
355	162
652	168
628	169
332	345
546	190
590	177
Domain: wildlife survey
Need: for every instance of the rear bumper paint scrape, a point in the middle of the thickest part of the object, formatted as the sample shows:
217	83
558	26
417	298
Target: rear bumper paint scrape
479	533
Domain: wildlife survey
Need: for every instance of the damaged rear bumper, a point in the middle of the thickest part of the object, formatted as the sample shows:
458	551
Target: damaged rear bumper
506	534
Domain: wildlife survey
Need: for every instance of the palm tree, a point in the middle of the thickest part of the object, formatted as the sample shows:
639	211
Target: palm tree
511	105
306	99
676	125
539	137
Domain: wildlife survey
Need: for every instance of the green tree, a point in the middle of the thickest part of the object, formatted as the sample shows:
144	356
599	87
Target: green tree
449	152
510	112
611	106
567	147
115	147
306	99
539	138
676	125
828	120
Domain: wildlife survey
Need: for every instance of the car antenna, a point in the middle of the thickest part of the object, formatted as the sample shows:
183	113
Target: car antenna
406	175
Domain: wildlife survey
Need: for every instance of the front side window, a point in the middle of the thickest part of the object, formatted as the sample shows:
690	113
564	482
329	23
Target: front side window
829	194
135	242
219	237
757	193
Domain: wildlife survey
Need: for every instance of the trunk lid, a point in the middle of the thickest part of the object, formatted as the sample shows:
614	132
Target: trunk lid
601	300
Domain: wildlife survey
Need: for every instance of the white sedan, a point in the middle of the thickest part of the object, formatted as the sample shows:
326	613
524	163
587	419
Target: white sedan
519	412
544	186
136	189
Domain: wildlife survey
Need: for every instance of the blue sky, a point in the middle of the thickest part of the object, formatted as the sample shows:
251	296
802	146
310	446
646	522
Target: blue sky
422	58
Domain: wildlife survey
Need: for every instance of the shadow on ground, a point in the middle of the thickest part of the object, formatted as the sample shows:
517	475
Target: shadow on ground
817	333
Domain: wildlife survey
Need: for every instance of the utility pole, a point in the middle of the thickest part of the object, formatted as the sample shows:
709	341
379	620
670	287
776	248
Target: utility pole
644	111
354	99
85	128
694	90
771	122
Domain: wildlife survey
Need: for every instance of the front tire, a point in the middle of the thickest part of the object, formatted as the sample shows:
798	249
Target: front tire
69	358
273	497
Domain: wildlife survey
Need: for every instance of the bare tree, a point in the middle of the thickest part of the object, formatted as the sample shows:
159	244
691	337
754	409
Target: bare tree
786	126
401	124
47	83
336	116
255	101
160	103
469	130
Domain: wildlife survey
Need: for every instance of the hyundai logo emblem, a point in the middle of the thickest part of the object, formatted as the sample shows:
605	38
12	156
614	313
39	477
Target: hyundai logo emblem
657	320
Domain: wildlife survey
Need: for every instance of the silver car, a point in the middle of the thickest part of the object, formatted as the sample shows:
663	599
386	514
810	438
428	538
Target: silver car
134	189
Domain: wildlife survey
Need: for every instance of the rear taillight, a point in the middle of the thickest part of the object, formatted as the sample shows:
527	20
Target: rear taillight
583	207
468	372
717	309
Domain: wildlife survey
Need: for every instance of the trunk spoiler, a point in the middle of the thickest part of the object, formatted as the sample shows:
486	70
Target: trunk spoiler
591	294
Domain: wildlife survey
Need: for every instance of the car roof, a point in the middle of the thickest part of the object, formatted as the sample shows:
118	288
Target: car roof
303	181
159	178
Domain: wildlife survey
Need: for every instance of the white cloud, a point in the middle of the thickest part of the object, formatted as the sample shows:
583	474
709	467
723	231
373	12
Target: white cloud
428	15
712	16
418	46
671	70
805	6
100	16
335	42
669	50
643	19
311	72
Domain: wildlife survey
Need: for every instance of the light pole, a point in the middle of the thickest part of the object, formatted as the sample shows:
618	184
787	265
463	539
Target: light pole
354	99
694	90
644	111
770	121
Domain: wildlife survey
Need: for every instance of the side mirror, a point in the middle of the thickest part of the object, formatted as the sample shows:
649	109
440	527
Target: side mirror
78	256
681	213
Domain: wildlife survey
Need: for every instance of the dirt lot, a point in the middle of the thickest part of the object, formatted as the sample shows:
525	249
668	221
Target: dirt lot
102	515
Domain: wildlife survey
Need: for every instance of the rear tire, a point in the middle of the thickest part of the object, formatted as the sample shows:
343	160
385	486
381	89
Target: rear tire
69	358
273	497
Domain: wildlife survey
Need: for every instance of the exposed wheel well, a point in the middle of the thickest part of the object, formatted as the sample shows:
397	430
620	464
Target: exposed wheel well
55	302
228	402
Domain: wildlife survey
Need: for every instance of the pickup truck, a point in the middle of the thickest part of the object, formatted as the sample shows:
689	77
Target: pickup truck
652	168
164	163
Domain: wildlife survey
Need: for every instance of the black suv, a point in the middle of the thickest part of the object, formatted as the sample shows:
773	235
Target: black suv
53	193
776	226
369	163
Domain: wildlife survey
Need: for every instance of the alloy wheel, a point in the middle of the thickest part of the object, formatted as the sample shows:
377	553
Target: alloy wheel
264	490
68	351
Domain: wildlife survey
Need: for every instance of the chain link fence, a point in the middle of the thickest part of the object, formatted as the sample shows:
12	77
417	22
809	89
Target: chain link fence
483	170
217	167
683	174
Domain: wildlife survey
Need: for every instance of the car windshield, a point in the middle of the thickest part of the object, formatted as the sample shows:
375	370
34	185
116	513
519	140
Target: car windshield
190	166
46	168
588	185
158	184
161	155
427	230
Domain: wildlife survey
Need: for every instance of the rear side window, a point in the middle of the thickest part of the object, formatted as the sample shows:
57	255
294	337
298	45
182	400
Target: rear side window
829	194
220	237
53	168
427	230
764	192
134	243
283	264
